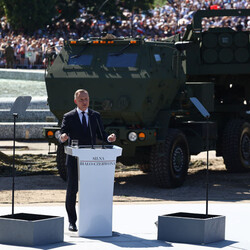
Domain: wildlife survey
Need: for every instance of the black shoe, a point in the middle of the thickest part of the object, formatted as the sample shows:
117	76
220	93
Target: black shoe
72	227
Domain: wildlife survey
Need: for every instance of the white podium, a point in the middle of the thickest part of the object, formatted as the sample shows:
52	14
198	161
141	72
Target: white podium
96	171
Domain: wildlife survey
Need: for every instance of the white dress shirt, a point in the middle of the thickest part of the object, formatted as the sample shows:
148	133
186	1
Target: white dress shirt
85	113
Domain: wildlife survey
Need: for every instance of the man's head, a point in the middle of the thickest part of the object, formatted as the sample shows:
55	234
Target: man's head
81	99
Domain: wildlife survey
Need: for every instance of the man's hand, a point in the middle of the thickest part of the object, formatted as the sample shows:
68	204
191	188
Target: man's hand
112	138
64	137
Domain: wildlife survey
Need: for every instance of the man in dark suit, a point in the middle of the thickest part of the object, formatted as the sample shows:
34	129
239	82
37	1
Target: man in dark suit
82	124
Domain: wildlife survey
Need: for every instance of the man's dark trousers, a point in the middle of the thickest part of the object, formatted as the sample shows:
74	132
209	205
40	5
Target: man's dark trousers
72	190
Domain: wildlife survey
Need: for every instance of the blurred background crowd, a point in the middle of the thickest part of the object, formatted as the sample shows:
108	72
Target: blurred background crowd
29	51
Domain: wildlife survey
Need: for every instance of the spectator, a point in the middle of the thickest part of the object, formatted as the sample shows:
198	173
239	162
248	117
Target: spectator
9	55
32	53
22	52
59	45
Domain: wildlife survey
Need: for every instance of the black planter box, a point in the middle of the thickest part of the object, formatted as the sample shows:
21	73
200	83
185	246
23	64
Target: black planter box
31	229
191	228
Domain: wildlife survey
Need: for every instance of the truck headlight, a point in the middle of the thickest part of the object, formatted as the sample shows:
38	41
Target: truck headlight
132	136
57	134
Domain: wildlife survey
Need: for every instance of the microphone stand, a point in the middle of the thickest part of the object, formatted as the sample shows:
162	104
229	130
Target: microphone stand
91	134
207	172
99	127
15	115
19	106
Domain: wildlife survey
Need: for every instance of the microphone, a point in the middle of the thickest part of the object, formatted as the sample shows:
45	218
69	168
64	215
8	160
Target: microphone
99	127
91	134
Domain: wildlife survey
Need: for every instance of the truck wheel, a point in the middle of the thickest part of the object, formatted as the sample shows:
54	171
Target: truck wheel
170	160
236	145
61	159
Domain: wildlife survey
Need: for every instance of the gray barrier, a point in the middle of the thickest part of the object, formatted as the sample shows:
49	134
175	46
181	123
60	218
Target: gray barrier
23	74
31	115
24	130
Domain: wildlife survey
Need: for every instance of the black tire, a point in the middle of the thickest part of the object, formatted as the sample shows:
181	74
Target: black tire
236	146
170	160
61	159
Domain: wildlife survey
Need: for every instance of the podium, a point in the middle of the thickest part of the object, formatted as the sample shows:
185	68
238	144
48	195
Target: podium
96	172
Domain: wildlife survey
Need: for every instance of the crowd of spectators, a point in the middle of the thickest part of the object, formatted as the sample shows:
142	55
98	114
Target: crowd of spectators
153	24
27	52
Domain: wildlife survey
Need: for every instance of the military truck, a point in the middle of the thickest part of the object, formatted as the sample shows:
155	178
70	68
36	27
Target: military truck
143	88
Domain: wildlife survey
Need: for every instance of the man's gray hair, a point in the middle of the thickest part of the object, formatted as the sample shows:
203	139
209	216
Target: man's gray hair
80	91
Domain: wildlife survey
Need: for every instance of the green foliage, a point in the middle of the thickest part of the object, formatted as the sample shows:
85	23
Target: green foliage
67	9
115	7
1	9
28	15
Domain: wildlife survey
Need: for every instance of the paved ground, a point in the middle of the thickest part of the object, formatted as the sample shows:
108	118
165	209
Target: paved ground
134	227
25	147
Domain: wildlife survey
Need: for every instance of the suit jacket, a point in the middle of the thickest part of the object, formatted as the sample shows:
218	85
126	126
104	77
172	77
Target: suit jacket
72	126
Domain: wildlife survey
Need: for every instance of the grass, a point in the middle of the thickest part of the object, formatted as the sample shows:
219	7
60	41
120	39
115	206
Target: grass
27	165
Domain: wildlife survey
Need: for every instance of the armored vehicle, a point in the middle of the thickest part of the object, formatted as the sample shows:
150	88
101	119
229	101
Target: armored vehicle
143	88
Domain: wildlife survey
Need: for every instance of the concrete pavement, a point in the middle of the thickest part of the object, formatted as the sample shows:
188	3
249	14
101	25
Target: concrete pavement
134	227
25	147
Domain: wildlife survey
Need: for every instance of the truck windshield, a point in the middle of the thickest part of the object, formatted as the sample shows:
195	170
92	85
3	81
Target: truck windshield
83	60
121	60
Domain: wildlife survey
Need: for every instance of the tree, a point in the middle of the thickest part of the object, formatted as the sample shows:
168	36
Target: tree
67	9
1	9
28	15
116	7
